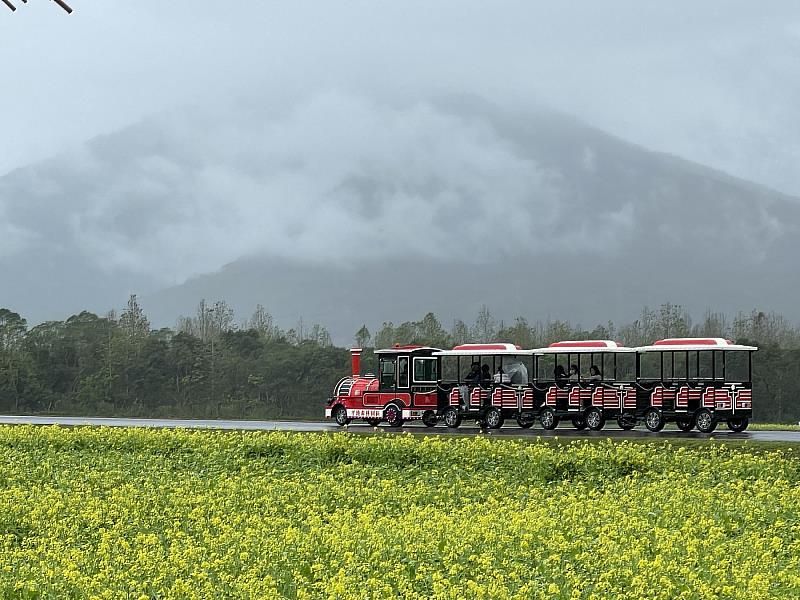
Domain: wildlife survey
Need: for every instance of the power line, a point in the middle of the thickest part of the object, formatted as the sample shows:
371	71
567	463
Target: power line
61	3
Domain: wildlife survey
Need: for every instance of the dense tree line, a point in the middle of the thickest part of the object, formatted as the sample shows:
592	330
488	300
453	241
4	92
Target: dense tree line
210	366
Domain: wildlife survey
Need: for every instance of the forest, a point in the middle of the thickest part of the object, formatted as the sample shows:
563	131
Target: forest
212	366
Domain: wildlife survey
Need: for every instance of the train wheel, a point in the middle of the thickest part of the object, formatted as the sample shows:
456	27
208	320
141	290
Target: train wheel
626	421
595	419
548	418
685	424
579	423
705	421
374	422
340	416
494	418
393	416
526	422
451	417
654	420
738	424
429	418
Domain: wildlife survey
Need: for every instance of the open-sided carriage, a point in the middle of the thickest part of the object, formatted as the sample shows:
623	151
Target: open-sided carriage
404	389
486	382
587	382
695	382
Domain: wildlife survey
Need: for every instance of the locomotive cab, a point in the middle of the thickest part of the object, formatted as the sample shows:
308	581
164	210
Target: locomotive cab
695	382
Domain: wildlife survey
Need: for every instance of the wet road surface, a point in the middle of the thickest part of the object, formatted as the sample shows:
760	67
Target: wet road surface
512	430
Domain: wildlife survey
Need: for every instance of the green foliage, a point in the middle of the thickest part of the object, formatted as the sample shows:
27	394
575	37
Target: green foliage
209	367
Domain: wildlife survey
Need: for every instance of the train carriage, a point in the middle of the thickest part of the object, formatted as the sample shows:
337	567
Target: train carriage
587	382
486	382
695	382
405	388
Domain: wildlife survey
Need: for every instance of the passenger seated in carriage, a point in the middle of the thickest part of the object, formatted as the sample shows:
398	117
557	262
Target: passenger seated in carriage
474	375
573	373
595	375
486	374
560	374
501	376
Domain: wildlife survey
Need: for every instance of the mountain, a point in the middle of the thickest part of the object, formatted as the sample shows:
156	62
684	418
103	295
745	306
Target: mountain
346	211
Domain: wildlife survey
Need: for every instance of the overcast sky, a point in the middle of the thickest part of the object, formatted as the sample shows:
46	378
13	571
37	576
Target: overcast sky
717	82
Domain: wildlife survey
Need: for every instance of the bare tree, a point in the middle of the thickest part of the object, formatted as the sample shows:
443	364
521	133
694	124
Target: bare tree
485	328
363	337
133	320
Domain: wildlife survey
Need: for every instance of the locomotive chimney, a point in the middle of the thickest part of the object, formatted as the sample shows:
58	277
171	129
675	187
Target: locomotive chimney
356	355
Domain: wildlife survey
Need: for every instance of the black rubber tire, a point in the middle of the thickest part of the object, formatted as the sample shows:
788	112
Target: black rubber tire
494	418
626	421
685	425
579	423
738	424
393	415
705	421
548	418
525	423
429	418
374	422
595	420
654	420
340	416
451	417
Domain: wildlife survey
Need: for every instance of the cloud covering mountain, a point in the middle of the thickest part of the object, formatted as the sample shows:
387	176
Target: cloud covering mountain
391	209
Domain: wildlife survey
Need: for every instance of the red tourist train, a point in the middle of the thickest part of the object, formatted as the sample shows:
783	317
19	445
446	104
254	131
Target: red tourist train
693	382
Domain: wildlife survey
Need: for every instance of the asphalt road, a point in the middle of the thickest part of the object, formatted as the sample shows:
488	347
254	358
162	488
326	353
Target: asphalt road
508	431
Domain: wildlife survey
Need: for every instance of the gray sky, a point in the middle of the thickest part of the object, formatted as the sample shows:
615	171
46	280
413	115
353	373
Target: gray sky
716	82
335	134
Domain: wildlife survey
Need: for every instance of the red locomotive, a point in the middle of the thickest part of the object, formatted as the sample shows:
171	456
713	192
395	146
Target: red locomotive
405	388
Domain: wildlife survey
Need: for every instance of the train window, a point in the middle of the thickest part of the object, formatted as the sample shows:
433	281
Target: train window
678	362
586	361
694	368
387	372
650	365
705	365
402	372
626	367
450	368
425	370
546	367
737	367
719	364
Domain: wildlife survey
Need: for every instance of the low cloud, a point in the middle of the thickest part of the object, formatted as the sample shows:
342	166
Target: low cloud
337	177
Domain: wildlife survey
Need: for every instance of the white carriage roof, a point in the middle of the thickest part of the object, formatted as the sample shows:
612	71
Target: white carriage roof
405	349
498	348
584	346
680	344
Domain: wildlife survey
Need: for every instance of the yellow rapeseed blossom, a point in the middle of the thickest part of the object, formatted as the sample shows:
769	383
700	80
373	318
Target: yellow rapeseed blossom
115	513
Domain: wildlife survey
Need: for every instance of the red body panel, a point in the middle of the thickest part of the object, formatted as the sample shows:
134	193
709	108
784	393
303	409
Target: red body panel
373	399
426	399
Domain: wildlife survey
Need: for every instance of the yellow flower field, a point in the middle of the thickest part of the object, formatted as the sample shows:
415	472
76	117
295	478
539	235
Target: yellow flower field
117	513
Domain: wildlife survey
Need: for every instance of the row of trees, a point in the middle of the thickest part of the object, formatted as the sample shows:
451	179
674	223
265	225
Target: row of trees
210	366
669	320
206	367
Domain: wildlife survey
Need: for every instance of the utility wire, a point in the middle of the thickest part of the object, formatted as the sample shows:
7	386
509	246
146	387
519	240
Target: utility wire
61	3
